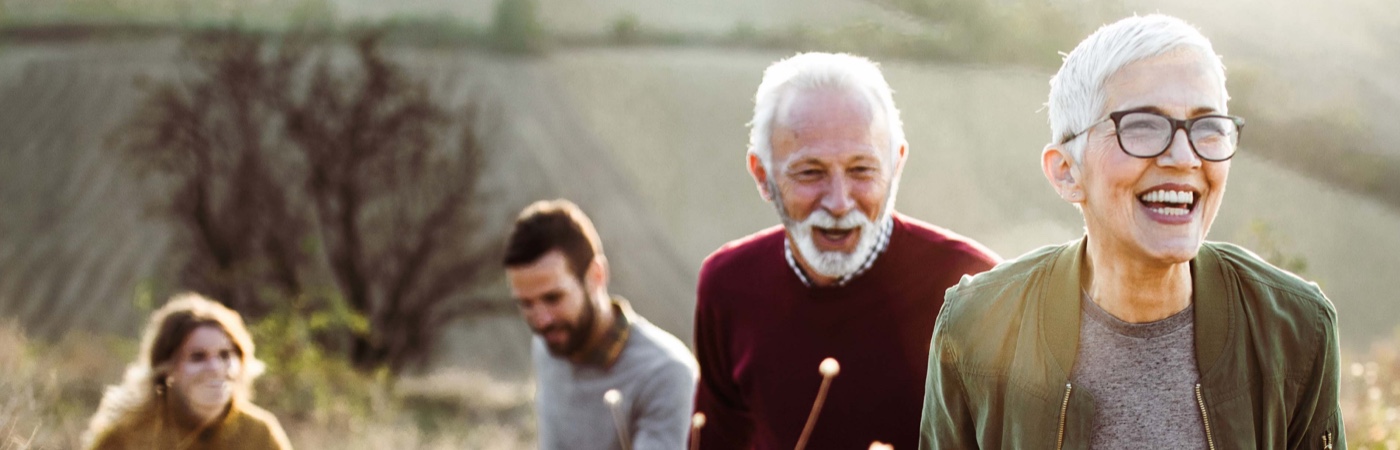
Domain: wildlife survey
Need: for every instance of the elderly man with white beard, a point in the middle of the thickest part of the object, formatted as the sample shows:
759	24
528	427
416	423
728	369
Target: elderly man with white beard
844	276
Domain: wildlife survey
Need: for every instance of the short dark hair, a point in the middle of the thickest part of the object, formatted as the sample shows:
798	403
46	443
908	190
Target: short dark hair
548	225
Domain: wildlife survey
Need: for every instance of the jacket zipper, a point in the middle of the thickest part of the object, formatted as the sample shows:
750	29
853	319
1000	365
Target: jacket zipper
1327	440
1201	400
1064	410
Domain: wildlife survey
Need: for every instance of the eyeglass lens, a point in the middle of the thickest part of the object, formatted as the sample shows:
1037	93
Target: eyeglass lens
1147	135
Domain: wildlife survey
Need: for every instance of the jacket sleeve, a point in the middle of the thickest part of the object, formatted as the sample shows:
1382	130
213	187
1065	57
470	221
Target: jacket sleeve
947	420
1319	417
663	419
728	423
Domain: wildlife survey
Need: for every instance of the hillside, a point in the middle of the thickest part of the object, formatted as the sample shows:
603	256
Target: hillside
650	141
81	237
675	120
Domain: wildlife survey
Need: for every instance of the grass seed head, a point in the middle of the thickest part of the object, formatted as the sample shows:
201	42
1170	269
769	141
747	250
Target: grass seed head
830	367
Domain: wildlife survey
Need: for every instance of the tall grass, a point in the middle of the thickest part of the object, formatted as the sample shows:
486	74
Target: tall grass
48	391
1371	395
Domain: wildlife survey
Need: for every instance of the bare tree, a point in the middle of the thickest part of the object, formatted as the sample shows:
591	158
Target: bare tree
297	172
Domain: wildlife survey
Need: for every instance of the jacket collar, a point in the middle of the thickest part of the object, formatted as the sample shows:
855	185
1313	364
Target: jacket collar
1060	306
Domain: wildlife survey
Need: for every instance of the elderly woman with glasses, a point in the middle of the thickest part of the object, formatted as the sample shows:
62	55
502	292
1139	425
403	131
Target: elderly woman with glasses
189	388
1140	334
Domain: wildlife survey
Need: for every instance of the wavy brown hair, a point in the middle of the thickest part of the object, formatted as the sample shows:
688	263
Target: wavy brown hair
146	378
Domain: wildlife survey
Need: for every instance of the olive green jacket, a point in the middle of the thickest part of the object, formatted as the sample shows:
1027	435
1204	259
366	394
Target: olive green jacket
1005	344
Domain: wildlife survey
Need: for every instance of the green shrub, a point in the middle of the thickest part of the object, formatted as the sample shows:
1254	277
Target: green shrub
626	29
303	380
517	28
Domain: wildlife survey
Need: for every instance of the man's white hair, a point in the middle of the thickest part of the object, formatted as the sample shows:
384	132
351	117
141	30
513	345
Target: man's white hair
1077	97
806	71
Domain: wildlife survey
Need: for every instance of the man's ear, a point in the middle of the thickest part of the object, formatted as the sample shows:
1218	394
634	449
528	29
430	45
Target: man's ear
760	176
900	159
1062	172
597	275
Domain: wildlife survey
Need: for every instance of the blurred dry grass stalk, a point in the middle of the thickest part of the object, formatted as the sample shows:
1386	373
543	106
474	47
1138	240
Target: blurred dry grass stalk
48	391
1371	395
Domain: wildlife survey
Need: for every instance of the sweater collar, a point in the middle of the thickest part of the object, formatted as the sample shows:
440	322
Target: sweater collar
882	241
1060	308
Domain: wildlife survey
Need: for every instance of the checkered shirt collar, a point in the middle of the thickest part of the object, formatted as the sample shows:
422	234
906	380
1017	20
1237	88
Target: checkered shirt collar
882	241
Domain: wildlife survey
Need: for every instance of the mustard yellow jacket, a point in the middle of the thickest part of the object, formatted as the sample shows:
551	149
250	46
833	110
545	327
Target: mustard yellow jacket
244	427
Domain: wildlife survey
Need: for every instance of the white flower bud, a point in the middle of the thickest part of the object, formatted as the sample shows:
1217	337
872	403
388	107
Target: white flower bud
830	367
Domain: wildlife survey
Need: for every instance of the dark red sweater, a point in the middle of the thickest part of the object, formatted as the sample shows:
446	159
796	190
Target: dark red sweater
760	335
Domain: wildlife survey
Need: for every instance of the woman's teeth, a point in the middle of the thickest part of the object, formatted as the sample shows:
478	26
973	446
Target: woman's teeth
1169	203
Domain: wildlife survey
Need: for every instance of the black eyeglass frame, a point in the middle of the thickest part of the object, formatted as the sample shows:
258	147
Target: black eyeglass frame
1176	124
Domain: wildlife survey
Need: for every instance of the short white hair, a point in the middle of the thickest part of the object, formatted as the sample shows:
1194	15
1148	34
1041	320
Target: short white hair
806	71
1077	96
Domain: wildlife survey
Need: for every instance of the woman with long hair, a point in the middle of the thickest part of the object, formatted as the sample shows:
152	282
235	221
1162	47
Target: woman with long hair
190	387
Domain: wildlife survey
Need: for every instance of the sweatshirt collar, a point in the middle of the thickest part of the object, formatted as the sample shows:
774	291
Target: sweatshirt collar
609	347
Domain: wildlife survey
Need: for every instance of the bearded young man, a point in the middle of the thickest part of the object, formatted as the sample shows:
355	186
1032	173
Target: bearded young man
589	343
844	276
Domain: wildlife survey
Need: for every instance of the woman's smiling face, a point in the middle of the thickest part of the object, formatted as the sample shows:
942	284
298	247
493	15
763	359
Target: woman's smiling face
1157	208
206	368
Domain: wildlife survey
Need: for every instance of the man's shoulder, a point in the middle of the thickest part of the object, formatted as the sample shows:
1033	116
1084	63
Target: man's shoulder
739	265
654	345
934	238
740	253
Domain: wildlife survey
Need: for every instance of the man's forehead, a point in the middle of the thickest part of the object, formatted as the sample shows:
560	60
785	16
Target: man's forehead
544	274
827	115
805	108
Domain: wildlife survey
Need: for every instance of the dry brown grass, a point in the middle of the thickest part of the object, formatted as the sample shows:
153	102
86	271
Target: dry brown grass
48	392
1371	395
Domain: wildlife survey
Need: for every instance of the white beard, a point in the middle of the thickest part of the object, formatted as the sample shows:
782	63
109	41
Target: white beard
834	264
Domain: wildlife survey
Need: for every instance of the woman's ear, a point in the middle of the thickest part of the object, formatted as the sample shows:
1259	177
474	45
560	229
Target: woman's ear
161	382
1062	172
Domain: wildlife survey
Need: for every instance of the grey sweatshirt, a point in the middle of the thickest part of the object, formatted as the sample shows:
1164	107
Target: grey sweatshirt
656	375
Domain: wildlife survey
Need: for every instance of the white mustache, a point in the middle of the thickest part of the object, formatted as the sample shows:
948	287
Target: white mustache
823	219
